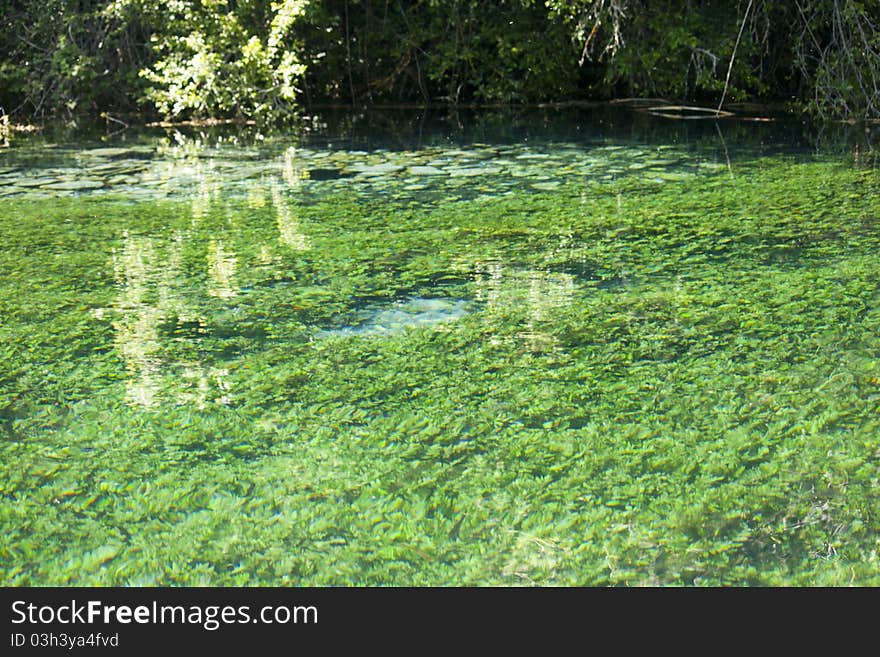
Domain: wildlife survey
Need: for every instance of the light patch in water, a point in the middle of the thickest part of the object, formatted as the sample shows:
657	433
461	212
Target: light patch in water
414	312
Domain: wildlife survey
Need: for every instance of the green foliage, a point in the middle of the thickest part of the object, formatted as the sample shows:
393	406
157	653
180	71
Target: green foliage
58	57
450	51
825	52
211	62
263	59
664	49
839	54
184	59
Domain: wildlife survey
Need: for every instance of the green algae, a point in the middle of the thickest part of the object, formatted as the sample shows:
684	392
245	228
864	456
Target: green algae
656	383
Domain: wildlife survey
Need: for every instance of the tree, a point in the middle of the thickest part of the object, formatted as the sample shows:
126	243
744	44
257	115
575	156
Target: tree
263	59
212	62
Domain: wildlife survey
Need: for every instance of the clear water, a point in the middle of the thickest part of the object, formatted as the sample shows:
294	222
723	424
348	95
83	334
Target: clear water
541	347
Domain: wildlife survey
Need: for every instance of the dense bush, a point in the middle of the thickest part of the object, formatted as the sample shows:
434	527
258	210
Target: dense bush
66	57
182	58
263	59
824	53
215	57
448	51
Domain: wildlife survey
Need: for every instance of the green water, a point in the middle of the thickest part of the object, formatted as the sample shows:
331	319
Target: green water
557	354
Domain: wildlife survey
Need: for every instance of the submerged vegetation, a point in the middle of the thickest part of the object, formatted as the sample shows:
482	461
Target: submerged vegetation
661	368
264	60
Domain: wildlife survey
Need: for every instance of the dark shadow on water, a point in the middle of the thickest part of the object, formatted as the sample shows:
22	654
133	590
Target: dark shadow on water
591	273
328	174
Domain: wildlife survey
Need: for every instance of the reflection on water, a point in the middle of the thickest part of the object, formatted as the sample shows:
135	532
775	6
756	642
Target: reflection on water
158	293
191	167
547	293
256	197
488	278
152	292
289	233
221	271
292	171
540	293
208	190
156	288
137	317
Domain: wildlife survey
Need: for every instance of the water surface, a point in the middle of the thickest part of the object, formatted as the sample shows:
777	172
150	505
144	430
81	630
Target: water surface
417	349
